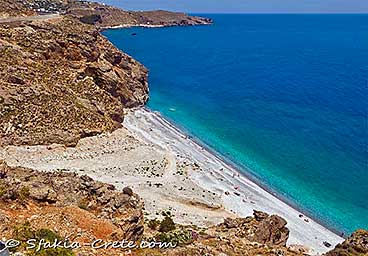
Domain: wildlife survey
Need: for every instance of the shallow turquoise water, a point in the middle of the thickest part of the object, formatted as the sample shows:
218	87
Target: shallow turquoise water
284	96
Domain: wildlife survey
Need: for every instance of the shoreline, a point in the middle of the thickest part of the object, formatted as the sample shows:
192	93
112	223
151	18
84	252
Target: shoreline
123	26
242	179
133	26
172	172
246	173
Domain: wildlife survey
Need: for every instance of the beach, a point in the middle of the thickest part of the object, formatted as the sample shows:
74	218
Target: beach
239	194
171	172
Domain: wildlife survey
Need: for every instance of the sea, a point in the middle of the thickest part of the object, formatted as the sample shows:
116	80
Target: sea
284	96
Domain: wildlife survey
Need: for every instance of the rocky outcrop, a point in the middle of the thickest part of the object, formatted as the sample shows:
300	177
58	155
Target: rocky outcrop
355	245
40	194
258	235
262	228
61	80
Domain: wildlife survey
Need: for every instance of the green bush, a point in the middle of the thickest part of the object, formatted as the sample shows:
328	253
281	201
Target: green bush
177	237
167	225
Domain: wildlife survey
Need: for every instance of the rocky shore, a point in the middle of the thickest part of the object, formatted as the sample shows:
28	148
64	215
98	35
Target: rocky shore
73	155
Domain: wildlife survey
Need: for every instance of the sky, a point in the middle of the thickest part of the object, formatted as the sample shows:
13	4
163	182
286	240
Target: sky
246	6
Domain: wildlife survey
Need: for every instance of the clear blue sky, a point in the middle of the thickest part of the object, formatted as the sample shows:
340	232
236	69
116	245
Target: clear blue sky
246	6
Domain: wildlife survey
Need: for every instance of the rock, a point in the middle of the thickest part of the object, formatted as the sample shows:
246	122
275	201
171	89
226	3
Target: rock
43	193
91	19
258	215
128	191
3	217
60	189
230	223
271	231
15	80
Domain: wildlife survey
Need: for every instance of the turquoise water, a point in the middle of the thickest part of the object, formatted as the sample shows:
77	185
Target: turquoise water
284	96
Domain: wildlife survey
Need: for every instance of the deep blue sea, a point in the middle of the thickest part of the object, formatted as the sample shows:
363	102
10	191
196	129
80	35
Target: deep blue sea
283	96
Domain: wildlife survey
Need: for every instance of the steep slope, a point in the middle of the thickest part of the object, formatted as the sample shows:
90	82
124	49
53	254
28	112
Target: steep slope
61	80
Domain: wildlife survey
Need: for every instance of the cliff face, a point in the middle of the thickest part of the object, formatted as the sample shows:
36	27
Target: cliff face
60	80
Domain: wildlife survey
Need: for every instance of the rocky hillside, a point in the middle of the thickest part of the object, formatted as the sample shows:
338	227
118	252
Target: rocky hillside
61	80
101	15
11	8
107	16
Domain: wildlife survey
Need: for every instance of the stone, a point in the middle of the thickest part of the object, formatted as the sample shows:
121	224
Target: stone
258	215
128	191
271	231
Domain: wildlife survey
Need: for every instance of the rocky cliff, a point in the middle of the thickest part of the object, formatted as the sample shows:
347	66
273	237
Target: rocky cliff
60	80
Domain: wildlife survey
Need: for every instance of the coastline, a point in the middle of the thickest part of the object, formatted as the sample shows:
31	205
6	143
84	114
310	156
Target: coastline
148	26
237	169
171	172
133	25
303	230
